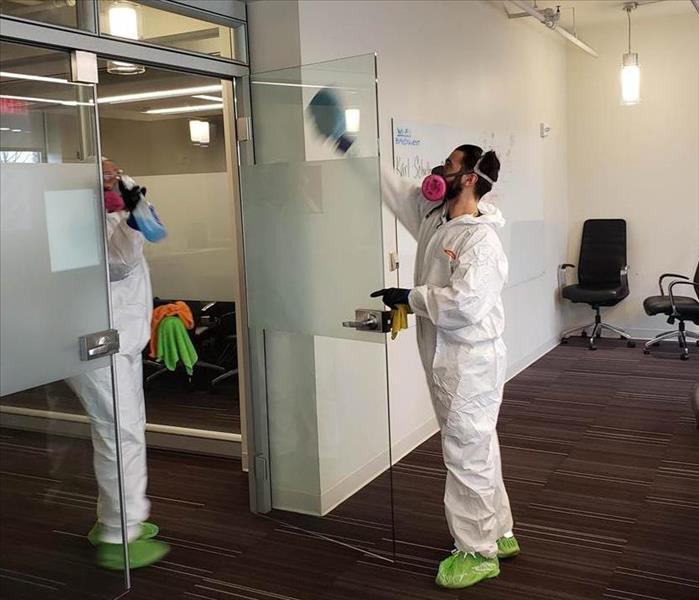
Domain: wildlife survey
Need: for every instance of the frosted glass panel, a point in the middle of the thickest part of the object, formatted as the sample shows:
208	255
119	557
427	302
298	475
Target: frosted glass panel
54	290
314	253
53	280
318	255
312	216
70	214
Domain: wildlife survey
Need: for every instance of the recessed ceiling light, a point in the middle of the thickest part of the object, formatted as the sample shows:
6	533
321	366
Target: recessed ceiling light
46	100
210	98
174	93
184	109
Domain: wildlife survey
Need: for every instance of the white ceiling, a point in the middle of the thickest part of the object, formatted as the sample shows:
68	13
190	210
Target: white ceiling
597	12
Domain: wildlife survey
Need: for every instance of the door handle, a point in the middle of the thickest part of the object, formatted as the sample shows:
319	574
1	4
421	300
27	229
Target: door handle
99	344
367	319
369	323
102	349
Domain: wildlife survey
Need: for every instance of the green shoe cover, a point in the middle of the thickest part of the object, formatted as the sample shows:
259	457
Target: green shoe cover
508	547
150	530
464	570
141	554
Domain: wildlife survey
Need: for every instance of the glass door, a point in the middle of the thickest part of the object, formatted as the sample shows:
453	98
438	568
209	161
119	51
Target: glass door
313	253
54	293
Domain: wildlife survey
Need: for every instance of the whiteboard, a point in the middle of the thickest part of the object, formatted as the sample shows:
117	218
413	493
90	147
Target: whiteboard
417	147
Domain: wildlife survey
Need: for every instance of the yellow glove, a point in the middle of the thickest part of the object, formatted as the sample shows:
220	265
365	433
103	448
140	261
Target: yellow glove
399	319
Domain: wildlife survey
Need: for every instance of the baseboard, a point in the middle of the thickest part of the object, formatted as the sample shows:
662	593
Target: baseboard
516	368
649	334
642	333
354	482
73	425
296	501
421	434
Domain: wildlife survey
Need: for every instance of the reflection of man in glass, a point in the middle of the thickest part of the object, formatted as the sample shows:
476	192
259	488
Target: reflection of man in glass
132	303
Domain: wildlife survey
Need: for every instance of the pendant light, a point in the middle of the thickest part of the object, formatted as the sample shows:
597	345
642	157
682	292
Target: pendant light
630	69
199	132
123	21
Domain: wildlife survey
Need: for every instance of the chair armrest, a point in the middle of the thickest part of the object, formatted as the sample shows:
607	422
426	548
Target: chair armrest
624	276
562	277
665	276
207	306
672	296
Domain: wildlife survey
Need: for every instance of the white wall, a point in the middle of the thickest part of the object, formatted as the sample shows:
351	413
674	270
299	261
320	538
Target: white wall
465	64
460	63
198	260
638	162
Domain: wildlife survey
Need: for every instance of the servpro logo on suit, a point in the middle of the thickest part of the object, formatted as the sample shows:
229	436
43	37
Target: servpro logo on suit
450	253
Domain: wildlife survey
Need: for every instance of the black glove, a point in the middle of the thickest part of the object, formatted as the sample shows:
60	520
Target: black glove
131	196
393	296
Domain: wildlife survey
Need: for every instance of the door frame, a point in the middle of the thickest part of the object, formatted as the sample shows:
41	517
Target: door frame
231	74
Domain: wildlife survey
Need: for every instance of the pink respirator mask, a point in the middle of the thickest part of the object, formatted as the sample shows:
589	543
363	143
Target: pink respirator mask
434	186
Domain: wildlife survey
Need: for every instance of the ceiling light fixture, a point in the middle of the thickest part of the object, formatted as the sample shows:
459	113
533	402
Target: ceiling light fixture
183	109
46	100
199	132
33	77
123	21
118	67
210	98
174	93
352	116
630	69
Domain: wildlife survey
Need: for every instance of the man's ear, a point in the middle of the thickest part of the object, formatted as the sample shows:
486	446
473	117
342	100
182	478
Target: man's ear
469	179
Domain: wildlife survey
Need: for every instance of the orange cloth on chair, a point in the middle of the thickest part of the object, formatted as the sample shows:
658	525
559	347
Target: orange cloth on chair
176	309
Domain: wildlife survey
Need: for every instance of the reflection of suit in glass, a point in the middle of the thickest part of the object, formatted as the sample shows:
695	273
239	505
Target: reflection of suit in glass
132	303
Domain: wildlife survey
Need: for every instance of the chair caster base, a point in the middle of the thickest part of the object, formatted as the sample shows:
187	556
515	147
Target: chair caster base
646	351
684	356
630	344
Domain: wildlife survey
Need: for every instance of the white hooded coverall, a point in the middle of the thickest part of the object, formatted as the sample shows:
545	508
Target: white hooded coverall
132	303
460	271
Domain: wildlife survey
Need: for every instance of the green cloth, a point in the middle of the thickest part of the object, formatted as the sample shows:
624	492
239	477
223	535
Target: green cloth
174	345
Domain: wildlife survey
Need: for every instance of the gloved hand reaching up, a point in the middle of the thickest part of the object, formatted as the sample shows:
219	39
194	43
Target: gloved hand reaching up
130	192
393	296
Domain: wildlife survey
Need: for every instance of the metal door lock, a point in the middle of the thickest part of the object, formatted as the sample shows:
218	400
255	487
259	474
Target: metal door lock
99	344
367	319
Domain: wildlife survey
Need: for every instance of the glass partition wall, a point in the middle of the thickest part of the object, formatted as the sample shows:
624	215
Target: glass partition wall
321	451
314	252
54	292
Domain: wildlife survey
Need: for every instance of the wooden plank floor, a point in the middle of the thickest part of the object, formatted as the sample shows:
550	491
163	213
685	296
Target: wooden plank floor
600	457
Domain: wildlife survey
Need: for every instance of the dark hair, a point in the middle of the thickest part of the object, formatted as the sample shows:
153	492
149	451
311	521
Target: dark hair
490	165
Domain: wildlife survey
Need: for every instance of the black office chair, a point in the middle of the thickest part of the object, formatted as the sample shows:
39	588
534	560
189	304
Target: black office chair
602	276
677	308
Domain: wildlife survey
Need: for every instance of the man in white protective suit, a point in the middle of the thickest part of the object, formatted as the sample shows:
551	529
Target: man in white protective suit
460	271
132	305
